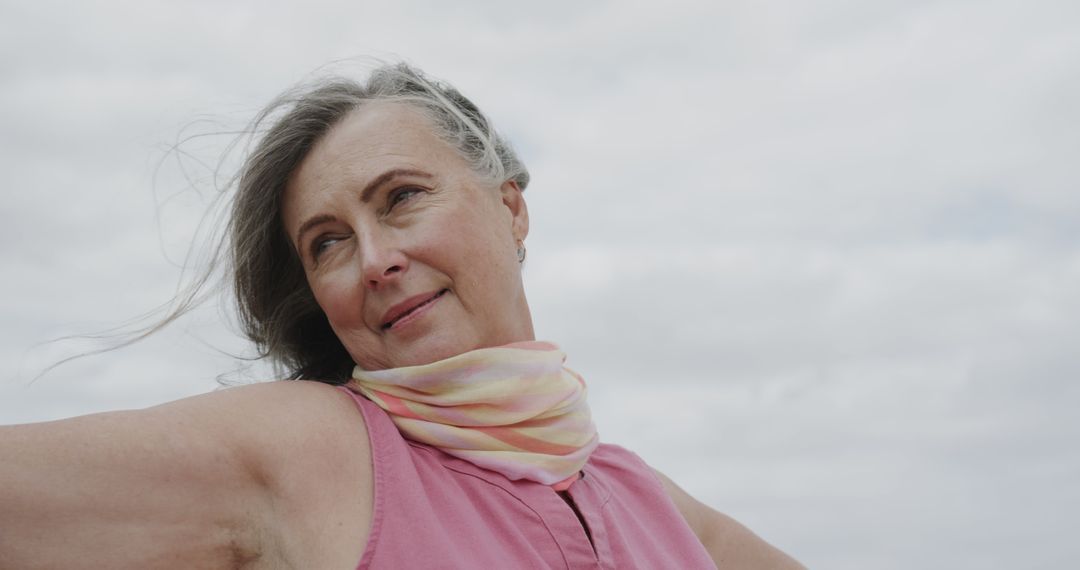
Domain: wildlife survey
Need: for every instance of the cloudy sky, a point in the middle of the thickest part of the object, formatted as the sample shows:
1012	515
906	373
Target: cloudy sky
820	260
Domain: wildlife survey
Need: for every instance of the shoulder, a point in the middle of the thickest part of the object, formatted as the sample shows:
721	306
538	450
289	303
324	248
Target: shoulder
309	446
274	395
269	420
296	403
310	415
728	542
618	457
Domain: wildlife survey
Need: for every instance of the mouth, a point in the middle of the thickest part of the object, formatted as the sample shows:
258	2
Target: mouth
409	307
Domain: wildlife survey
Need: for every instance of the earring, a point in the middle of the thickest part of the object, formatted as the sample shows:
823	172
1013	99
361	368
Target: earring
521	251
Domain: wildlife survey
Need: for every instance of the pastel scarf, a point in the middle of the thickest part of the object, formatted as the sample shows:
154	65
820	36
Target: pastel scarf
514	409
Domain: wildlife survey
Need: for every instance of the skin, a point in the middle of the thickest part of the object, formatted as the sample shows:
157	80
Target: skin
278	475
222	480
442	228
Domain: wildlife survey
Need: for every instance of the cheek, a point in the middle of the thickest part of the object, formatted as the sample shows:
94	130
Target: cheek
495	280
340	300
481	260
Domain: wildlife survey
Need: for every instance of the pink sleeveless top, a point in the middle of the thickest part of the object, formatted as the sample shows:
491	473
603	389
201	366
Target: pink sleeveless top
432	510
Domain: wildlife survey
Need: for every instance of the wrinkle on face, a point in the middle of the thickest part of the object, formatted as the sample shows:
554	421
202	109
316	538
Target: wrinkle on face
459	233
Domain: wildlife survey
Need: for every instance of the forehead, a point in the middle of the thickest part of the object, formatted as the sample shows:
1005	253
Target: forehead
375	138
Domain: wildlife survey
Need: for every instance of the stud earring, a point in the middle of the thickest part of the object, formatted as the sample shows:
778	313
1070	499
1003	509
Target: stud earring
521	251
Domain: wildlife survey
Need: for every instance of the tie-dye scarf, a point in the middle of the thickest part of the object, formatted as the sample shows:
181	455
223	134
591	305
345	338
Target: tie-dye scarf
514	409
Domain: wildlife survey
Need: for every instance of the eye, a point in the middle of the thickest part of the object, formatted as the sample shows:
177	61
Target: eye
321	244
399	195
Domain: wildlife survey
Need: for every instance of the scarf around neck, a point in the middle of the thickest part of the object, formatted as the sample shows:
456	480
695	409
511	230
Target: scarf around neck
514	409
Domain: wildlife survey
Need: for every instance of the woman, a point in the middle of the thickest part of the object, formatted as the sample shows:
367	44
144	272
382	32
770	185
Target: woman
377	236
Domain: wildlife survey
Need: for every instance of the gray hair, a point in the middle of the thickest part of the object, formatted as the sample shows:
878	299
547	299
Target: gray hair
276	308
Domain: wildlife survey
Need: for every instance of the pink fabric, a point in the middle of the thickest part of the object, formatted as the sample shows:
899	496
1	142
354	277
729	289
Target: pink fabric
433	510
515	409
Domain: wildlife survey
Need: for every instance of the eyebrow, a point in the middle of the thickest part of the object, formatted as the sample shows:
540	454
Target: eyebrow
365	197
369	190
311	223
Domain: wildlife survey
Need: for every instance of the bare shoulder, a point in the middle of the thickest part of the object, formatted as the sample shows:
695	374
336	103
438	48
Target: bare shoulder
272	425
309	443
294	394
286	418
729	543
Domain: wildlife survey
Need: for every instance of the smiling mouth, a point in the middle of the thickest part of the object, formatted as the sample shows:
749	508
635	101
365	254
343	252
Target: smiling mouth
392	322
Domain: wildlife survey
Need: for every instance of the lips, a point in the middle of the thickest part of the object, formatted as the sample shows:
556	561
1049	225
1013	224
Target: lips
408	307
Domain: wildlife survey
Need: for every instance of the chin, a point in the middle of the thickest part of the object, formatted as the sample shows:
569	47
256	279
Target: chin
432	348
440	349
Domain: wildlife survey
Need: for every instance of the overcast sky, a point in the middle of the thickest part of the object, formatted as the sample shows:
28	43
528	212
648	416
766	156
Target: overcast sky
819	261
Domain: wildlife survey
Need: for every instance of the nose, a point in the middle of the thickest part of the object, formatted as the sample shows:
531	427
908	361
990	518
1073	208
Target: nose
382	261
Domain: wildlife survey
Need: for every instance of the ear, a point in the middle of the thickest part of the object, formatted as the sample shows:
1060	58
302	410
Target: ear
513	199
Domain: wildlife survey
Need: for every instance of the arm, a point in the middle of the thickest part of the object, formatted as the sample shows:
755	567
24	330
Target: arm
198	483
730	544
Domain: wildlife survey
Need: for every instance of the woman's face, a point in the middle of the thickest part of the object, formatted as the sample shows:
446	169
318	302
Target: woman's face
410	253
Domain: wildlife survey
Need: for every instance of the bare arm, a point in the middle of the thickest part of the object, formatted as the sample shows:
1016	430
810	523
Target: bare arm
730	544
215	481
